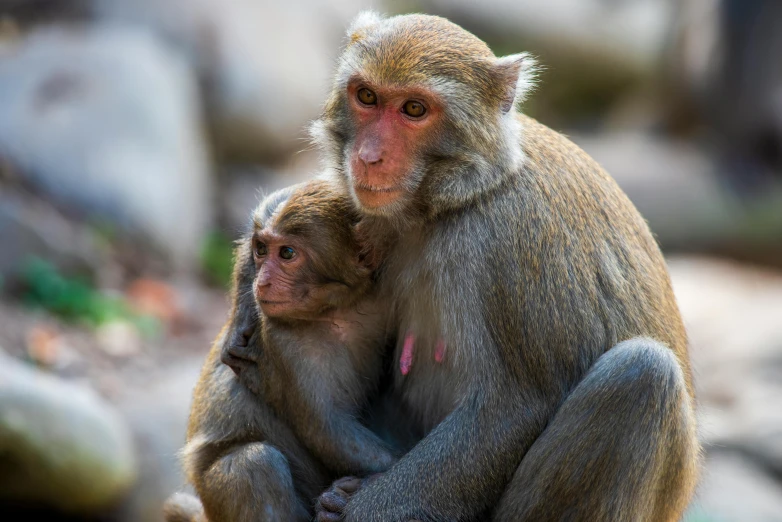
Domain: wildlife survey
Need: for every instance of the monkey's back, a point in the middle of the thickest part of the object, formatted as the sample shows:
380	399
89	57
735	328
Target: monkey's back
588	272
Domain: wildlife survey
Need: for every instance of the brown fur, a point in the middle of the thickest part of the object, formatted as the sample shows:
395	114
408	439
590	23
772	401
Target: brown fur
566	393
263	445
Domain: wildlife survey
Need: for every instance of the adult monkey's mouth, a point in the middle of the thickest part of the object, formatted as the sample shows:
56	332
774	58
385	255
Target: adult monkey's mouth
369	188
376	197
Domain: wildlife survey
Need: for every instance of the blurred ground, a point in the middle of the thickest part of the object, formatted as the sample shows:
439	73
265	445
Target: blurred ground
135	137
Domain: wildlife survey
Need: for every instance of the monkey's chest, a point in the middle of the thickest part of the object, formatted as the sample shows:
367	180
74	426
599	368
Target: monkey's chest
425	364
426	396
436	325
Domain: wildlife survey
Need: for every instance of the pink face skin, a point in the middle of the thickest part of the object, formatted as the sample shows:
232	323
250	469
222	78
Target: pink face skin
278	286
390	130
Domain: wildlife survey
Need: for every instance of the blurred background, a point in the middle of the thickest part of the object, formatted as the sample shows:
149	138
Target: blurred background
136	135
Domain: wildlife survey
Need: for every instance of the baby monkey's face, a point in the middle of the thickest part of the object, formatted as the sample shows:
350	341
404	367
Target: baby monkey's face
307	258
279	285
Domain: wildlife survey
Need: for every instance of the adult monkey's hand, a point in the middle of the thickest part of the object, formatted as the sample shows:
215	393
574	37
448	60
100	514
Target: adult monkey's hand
564	390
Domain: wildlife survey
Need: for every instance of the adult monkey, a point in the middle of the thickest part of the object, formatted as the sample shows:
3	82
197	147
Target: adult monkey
565	392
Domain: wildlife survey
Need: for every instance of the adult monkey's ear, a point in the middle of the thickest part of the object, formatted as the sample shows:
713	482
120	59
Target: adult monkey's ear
517	74
361	23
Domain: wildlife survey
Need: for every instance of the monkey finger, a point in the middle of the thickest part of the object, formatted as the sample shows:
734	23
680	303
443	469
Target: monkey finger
348	484
371	478
245	334
325	516
332	501
237	364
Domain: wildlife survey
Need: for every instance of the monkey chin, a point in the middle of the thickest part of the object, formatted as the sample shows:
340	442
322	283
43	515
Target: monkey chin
372	199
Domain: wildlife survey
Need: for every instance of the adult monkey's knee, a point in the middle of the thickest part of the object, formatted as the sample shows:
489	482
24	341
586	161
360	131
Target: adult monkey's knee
621	447
666	410
644	368
649	409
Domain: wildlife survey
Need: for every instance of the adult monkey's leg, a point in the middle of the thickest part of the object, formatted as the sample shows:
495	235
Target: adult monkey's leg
622	447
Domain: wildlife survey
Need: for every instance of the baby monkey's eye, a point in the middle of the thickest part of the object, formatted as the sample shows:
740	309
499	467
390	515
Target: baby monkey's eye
260	249
366	96
414	109
287	252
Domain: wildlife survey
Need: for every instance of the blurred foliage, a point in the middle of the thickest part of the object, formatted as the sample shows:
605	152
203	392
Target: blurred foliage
76	300
104	231
217	259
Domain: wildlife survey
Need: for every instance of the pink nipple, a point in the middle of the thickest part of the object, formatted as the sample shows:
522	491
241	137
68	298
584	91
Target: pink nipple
406	361
439	351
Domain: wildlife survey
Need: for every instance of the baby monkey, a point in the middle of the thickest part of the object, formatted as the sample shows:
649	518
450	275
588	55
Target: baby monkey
263	443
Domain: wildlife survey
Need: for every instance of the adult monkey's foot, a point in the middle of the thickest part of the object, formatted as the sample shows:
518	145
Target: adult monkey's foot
331	503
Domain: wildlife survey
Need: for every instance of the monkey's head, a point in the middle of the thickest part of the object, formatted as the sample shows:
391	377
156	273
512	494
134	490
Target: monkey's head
422	115
308	259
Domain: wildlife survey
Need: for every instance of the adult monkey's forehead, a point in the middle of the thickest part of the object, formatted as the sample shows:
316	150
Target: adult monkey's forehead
416	49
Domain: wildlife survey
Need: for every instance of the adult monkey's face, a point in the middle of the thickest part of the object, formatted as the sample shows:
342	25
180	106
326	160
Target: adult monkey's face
421	115
392	124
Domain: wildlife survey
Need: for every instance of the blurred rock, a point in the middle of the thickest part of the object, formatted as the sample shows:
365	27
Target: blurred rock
154	298
266	65
243	189
733	489
675	186
30	228
244	186
44	345
157	412
629	31
594	53
689	61
32	12
669	182
62	446
119	338
732	314
724	74
107	120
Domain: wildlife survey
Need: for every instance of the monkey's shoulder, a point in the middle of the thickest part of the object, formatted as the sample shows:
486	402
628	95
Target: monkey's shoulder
565	191
544	145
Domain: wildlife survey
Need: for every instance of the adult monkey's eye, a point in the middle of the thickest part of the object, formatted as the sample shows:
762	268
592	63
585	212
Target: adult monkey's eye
260	249
414	109
366	96
287	252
